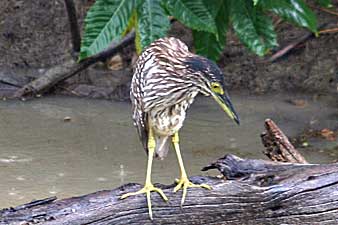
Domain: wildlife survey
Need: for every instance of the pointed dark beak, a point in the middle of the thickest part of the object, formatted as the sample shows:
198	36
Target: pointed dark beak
226	104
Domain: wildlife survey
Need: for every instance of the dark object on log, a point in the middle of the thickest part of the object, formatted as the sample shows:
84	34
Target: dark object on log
68	69
255	192
278	146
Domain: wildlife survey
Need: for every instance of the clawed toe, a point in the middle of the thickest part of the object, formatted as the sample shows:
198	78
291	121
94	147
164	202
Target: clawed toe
184	183
147	189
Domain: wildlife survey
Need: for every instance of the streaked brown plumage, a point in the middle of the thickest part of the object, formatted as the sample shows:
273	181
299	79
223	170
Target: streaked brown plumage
166	80
155	95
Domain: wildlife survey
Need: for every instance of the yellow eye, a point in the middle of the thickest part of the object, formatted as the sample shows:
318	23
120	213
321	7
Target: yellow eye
216	87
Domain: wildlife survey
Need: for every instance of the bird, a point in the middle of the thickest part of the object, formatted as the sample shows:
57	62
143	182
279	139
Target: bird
167	78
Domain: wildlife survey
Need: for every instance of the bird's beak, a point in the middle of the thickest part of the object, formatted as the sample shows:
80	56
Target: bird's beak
224	101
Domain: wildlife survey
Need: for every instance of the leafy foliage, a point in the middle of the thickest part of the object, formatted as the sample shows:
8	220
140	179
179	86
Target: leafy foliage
105	21
110	20
253	28
207	43
294	11
194	14
153	23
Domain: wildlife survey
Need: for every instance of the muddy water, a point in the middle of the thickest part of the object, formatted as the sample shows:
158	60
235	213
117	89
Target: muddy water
42	155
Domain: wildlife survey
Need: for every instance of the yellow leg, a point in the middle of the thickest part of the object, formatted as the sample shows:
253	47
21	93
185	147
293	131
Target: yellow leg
183	182
148	186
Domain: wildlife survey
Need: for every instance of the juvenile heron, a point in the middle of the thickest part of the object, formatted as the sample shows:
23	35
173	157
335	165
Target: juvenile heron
166	80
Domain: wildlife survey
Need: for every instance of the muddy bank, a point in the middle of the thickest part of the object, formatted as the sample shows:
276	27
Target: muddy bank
34	36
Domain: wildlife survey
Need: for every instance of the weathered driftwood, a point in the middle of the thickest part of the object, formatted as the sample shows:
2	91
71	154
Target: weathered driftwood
277	146
255	192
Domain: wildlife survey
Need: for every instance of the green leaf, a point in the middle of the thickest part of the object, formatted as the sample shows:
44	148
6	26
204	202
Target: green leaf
105	21
252	27
325	3
153	23
193	14
294	11
206	43
265	30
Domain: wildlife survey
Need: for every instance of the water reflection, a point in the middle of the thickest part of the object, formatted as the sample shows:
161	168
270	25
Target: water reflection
42	154
14	159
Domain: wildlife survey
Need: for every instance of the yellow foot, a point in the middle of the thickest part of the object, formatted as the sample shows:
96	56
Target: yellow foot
147	189
185	183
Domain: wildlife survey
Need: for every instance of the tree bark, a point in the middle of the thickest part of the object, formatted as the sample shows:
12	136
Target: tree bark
254	192
277	146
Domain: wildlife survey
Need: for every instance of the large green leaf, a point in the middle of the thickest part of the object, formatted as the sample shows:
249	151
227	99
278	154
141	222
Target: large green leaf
252	27
105	21
294	11
207	43
194	14
153	23
265	29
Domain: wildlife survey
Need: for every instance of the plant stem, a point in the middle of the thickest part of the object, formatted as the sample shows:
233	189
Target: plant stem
74	28
332	30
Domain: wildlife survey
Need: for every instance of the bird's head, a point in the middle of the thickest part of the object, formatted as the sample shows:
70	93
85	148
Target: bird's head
207	76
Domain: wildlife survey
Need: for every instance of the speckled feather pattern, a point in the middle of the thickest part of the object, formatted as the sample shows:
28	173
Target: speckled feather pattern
160	93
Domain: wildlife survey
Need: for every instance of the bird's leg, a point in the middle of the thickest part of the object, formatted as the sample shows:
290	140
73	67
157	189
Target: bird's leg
184	181
148	186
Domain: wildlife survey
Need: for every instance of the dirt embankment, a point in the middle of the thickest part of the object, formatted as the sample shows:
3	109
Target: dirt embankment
34	36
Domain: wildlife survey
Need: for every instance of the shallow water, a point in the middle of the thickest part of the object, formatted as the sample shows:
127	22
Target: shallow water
42	155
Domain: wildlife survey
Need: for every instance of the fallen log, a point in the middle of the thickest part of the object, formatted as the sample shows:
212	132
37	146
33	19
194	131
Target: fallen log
254	192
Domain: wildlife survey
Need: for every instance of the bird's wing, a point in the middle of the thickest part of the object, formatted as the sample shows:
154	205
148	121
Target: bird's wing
141	124
151	70
140	117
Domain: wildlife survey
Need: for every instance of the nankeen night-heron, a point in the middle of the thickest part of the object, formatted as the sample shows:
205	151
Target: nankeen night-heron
166	80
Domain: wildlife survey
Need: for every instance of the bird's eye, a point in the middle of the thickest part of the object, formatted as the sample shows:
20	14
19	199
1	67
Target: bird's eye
216	87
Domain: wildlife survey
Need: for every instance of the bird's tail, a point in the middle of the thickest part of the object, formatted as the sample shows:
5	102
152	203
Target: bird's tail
162	146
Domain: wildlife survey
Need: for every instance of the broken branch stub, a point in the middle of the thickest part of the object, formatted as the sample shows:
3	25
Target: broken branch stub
277	145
